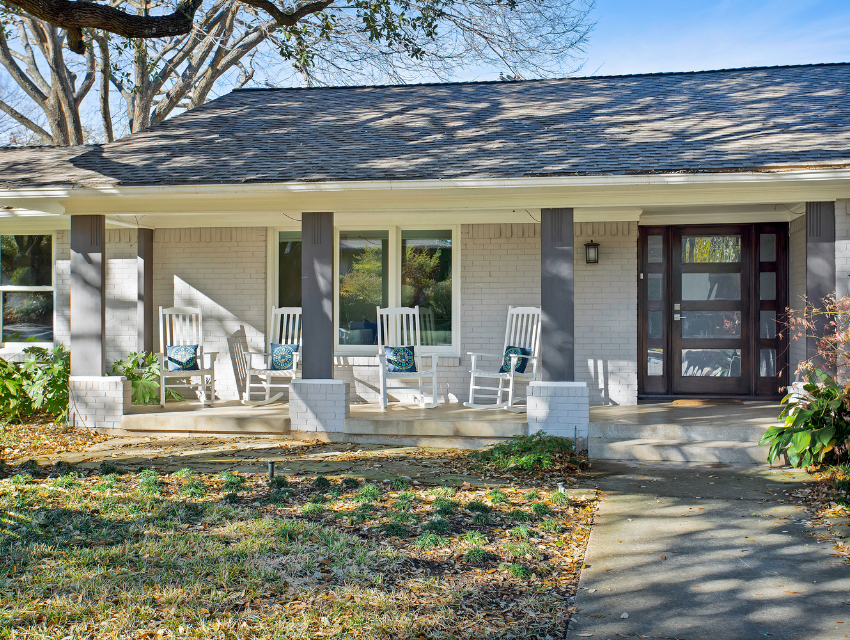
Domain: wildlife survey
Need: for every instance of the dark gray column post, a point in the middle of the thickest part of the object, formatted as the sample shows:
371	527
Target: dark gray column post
317	304
557	298
88	296
144	301
820	261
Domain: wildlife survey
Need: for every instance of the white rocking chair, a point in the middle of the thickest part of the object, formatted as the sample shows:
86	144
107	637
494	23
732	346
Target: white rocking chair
523	331
286	329
399	327
179	327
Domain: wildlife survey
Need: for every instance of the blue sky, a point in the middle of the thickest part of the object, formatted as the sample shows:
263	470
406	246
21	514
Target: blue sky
642	36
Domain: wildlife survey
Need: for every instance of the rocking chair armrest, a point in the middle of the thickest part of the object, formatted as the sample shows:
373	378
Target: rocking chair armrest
435	358
486	355
211	354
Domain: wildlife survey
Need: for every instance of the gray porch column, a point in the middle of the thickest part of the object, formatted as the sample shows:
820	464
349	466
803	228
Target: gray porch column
557	299
88	299
317	260
820	261
144	302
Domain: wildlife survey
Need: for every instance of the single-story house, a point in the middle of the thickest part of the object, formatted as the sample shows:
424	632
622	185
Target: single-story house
711	201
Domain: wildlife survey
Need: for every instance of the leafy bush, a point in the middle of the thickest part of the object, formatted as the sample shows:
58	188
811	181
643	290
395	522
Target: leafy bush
537	451
142	370
430	541
815	424
39	383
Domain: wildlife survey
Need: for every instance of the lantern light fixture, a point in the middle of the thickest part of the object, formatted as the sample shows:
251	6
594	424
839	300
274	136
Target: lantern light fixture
591	252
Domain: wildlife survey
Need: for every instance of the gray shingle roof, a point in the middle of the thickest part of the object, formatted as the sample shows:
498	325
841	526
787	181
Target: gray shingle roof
716	120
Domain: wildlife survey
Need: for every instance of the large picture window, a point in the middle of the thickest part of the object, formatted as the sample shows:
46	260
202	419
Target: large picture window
390	267
26	289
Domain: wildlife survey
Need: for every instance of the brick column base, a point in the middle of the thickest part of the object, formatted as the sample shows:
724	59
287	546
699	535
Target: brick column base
97	402
559	409
318	405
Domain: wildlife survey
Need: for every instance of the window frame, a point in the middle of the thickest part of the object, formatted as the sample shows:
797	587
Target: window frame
394	275
18	347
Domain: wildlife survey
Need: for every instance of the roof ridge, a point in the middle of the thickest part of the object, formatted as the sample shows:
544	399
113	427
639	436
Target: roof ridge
559	79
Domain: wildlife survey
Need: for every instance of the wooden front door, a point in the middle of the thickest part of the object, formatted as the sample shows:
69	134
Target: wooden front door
709	300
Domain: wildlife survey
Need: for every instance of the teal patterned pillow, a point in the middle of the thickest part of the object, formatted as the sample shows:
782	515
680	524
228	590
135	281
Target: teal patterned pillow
520	364
400	359
283	358
182	357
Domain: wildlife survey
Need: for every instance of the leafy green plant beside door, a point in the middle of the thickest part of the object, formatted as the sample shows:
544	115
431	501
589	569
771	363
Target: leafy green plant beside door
142	370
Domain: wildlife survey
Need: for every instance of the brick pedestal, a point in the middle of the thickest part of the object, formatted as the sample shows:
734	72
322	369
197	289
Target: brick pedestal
318	405
559	409
97	402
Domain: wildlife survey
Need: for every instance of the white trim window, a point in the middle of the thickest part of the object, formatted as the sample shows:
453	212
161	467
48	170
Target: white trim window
26	290
387	267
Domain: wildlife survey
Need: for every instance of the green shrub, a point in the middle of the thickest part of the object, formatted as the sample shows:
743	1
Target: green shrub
393	529
350	483
142	370
400	484
322	483
497	496
430	541
477	555
814	424
445	507
541	509
519	515
39	383
194	489
522	532
478	506
481	519
368	493
437	525
559	497
552	526
279	482
537	451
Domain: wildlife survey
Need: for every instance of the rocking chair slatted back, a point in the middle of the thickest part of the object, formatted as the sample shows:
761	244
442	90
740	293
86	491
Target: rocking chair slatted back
286	326
523	329
180	326
399	327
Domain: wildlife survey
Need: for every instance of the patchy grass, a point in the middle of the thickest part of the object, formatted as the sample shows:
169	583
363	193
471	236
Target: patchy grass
530	453
229	556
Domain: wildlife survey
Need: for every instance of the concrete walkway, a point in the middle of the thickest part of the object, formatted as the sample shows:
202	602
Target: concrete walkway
709	552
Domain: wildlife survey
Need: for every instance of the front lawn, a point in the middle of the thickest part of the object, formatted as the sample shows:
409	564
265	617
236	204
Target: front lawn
187	555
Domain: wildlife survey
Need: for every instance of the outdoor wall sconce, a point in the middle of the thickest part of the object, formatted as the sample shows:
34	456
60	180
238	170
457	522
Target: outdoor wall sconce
591	252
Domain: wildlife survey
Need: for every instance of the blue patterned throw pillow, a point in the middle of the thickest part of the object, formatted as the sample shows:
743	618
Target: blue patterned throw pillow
283	358
400	359
182	357
520	364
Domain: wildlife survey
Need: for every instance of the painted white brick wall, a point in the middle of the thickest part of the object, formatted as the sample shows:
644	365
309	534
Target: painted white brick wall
318	405
98	402
842	247
500	267
121	292
560	409
796	285
222	271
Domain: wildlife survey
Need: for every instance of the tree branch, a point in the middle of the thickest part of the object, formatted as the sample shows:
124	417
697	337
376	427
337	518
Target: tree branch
29	124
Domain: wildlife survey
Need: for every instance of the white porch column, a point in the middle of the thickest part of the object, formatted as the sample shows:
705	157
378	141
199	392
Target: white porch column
558	405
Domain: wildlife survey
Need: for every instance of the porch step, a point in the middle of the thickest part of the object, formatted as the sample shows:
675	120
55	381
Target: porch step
727	440
227	418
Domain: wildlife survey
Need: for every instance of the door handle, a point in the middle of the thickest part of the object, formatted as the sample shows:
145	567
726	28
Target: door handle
678	316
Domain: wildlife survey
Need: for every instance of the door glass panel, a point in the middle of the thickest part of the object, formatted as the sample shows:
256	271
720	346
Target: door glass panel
711	324
654	285
289	270
655	329
767	363
767	325
655	362
767	247
714	363
654	246
711	286
706	249
767	285
426	281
